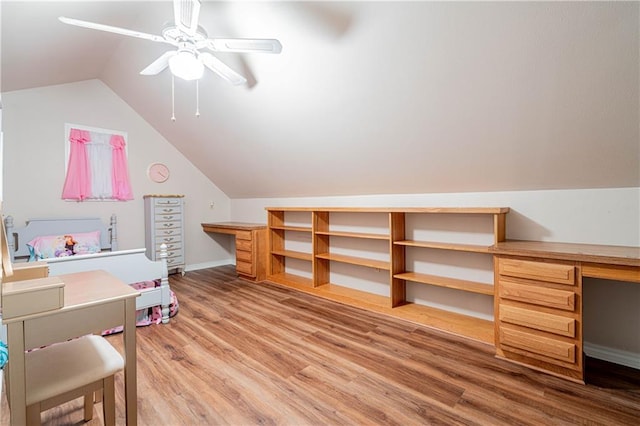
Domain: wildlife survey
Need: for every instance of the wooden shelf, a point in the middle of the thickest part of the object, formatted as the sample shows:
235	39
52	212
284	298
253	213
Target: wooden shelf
354	235
458	284
441	210
475	248
371	263
462	325
292	228
293	254
396	224
291	280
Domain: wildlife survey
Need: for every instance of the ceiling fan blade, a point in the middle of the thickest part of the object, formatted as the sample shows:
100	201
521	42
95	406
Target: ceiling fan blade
186	14
220	68
110	29
159	64
249	45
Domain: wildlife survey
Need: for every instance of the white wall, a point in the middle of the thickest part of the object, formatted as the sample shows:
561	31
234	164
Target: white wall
592	216
33	125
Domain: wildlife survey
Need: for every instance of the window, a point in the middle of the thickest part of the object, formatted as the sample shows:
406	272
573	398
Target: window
96	164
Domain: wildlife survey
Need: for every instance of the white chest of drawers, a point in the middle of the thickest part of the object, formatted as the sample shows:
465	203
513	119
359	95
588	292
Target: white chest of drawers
164	223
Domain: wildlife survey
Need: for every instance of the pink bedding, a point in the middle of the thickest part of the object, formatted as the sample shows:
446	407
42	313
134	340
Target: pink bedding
151	315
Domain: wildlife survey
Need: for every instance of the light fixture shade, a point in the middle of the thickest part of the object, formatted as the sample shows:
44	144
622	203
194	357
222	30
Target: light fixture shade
186	66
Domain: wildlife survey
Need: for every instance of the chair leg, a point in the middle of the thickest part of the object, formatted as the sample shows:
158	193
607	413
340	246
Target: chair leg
88	406
33	415
109	401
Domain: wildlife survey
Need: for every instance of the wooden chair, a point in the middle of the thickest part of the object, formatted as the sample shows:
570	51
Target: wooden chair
65	371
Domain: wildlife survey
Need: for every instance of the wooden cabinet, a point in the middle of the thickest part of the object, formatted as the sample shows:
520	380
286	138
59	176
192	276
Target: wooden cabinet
539	315
164	224
250	239
396	251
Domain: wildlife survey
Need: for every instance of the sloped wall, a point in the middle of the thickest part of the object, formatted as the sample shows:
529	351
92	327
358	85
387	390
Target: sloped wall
34	158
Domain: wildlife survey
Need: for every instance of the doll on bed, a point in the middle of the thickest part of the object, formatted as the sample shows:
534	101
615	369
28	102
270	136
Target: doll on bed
69	247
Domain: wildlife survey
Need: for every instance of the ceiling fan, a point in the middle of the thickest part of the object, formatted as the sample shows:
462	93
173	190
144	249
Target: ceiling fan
187	62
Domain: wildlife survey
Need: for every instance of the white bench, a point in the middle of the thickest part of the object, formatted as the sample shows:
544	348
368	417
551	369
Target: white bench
68	370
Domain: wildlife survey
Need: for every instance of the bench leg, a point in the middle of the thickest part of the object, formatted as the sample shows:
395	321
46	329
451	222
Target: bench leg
33	415
109	401
88	406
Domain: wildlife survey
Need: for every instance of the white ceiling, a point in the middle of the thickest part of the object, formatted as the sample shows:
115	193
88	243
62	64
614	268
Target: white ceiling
370	97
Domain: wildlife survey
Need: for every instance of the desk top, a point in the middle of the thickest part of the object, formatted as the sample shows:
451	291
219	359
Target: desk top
81	289
243	226
592	253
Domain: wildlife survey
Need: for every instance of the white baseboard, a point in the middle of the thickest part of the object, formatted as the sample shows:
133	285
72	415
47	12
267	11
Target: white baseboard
213	264
617	356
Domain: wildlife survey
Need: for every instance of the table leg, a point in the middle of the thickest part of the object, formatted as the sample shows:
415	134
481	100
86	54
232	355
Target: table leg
130	368
17	384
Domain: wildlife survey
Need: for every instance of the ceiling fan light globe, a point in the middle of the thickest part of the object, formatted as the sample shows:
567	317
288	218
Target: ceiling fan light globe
186	66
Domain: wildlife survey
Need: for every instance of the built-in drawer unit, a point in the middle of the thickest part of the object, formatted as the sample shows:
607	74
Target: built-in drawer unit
164	224
250	239
538	314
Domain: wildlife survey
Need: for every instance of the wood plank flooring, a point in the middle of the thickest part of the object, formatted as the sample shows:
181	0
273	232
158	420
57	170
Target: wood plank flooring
240	353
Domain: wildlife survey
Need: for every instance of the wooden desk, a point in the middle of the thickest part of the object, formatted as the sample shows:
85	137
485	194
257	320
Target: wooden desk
93	301
538	299
251	246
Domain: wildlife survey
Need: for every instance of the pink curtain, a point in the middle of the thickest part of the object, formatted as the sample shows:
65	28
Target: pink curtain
77	184
120	173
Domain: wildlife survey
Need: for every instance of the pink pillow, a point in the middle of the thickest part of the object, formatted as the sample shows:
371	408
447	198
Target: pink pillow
64	245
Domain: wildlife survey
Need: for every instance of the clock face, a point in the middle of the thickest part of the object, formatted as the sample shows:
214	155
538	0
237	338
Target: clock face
158	172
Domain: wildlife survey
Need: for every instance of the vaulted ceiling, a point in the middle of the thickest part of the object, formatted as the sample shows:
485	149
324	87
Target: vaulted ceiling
369	97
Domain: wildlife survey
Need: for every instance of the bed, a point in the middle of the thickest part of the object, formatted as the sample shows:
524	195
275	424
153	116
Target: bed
96	248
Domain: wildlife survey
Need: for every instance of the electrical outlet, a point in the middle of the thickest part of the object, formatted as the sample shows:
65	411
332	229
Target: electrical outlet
211	204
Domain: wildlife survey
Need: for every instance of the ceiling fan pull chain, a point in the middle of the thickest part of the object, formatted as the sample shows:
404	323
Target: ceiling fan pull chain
173	99
197	98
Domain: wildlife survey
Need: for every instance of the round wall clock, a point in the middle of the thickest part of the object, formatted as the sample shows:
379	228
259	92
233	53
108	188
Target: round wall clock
158	172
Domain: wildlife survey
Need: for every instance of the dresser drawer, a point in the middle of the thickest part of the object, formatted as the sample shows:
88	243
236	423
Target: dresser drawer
167	210
243	255
540	345
537	295
550	272
168	225
163	202
164	217
245	268
243	235
557	324
246	245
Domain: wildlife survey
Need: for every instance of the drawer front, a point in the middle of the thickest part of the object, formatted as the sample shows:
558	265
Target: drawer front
168	239
167	217
167	209
551	348
243	255
163	202
244	268
168	225
246	245
170	245
163	235
549	297
542	321
243	235
551	272
175	261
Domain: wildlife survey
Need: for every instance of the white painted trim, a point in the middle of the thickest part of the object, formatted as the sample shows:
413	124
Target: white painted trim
617	356
212	264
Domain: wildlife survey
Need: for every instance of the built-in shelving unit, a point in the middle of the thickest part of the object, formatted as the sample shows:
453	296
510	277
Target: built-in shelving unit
384	240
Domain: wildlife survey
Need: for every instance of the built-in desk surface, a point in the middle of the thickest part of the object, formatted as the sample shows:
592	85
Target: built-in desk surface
598	261
251	240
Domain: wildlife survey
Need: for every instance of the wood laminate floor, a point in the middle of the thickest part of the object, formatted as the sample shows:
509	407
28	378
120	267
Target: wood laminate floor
240	353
